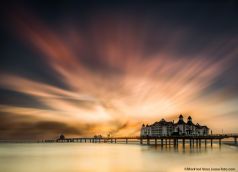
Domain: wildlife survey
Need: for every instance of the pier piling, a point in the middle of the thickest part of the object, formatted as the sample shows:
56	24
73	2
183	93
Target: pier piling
148	141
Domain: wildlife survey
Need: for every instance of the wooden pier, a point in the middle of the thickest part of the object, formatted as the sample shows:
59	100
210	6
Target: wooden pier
161	140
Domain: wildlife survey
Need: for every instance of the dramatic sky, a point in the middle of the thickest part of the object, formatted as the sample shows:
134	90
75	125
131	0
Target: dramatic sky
96	67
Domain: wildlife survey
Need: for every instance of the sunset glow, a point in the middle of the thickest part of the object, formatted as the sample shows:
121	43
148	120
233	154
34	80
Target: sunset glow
113	73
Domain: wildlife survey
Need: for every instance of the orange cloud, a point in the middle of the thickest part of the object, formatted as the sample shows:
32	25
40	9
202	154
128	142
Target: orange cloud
132	87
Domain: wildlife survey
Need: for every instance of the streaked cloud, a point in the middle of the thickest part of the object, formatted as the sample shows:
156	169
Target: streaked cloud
115	81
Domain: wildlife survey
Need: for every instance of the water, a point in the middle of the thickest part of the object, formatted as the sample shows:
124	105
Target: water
89	157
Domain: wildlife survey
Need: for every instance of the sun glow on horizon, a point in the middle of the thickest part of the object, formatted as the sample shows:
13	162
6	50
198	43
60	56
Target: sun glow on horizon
115	78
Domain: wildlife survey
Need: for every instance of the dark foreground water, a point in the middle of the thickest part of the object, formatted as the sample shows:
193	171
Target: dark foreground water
89	157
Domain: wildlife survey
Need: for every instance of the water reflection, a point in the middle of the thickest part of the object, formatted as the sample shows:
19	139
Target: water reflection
180	149
82	157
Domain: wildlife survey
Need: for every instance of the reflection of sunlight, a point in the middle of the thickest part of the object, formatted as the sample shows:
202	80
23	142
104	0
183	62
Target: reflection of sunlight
112	157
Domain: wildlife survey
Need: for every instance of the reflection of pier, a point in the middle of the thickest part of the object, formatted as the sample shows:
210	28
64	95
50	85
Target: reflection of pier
162	140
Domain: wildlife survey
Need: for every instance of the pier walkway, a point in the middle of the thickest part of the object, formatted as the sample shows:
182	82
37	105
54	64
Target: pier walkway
161	140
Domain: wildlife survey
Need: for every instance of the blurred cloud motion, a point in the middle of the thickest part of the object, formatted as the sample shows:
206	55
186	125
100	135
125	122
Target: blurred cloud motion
108	69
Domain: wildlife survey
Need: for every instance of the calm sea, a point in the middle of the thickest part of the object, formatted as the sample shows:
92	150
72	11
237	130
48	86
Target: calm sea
91	157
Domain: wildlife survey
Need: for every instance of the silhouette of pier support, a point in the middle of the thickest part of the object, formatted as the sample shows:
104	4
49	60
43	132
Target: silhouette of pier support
148	141
183	143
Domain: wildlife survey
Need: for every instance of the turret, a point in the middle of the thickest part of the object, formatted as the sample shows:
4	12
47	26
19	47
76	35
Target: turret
189	122
190	118
181	117
181	120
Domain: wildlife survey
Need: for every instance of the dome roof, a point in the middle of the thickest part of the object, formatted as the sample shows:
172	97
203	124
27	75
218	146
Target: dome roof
181	122
180	116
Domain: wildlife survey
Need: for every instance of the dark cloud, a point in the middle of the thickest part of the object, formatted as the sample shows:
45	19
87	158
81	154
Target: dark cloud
12	98
14	126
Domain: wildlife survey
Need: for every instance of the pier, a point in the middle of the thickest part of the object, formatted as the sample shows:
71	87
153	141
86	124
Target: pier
161	140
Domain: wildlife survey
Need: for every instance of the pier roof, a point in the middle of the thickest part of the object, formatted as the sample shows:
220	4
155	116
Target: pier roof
162	122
